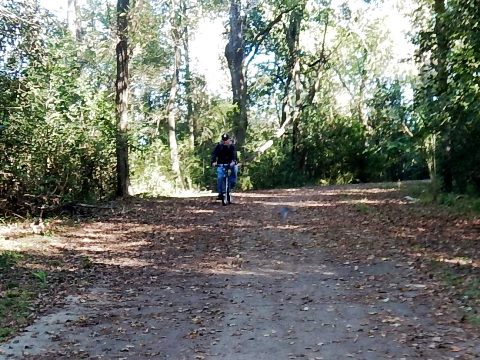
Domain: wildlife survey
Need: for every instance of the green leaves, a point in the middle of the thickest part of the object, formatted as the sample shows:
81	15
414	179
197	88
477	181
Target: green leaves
57	142
448	99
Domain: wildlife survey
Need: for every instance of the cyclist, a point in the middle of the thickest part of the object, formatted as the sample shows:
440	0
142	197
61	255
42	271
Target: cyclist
225	153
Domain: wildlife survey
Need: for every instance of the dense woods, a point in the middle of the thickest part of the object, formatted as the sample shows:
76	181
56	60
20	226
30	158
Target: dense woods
111	248
109	100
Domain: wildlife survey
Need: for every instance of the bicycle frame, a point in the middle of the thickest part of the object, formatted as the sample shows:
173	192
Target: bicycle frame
226	198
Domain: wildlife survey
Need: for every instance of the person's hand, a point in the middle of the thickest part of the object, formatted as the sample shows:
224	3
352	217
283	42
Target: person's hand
232	164
214	164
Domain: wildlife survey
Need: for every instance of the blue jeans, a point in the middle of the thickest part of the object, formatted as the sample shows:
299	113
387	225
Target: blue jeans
232	177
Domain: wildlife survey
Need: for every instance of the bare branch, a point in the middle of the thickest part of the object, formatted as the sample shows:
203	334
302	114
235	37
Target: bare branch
407	130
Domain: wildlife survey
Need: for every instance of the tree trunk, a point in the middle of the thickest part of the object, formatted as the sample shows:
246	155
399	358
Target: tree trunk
296	110
235	54
121	99
442	88
188	80
292	39
361	91
172	134
73	19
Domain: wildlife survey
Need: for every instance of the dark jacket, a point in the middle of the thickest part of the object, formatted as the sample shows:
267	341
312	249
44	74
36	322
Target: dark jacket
224	154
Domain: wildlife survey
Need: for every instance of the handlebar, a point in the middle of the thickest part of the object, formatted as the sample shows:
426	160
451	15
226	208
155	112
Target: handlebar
225	165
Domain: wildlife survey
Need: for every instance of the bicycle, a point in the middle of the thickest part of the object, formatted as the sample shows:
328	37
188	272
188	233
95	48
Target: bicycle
226	195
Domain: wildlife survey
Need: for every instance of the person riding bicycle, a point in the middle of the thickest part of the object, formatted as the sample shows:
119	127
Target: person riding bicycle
225	153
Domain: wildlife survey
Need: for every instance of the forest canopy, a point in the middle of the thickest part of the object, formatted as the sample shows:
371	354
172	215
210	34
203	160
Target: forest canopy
110	98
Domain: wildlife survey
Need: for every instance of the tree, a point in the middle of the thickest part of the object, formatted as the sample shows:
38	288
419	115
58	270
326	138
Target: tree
302	74
73	19
121	98
442	49
188	76
235	54
446	91
175	22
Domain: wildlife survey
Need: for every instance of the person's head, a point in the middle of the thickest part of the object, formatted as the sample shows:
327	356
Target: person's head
226	139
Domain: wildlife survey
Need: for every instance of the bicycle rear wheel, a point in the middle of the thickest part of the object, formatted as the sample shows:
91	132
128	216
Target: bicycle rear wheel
226	192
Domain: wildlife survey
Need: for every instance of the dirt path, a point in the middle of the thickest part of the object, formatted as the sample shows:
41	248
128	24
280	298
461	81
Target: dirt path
321	273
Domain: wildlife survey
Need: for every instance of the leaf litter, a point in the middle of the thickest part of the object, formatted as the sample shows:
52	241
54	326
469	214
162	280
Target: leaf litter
165	280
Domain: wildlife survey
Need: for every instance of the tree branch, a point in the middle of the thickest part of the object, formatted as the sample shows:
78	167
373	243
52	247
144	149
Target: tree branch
261	36
407	130
299	110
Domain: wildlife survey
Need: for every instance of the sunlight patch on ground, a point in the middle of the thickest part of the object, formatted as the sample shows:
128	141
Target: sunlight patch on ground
193	194
9	229
92	238
285	227
30	243
93	249
124	262
319	204
242	222
359	191
458	261
329	273
361	201
443	257
294	203
136	244
261	195
239	272
200	211
108	246
88	240
183	230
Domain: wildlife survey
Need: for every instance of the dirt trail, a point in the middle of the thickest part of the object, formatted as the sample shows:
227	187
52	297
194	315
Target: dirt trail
306	274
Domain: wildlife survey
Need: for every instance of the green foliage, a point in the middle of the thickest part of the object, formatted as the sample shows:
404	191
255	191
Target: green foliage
431	192
13	307
86	262
58	134
150	171
331	151
466	288
5	332
9	259
339	150
273	169
363	208
452	114
41	276
150	158
393	153
57	111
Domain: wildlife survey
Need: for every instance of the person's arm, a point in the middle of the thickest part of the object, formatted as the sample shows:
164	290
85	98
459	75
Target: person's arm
214	155
234	154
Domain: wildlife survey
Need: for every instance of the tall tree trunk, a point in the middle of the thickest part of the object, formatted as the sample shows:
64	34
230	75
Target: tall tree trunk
296	110
292	38
188	79
73	19
361	91
442	88
235	54
121	98
171	111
